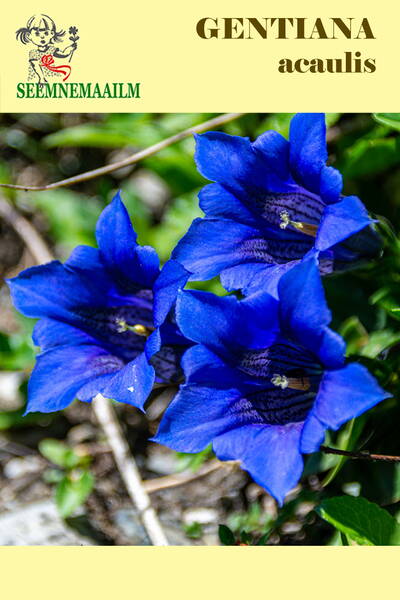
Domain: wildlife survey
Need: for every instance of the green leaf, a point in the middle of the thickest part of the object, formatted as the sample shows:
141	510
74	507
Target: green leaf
390	119
89	135
246	538
379	341
193	530
226	536
53	476
368	157
58	453
360	520
72	491
264	539
354	333
193	461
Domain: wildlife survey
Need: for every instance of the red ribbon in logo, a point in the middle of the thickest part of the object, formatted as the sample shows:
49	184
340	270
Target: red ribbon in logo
48	62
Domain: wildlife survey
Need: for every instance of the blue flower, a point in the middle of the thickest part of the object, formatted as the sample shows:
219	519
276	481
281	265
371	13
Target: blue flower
265	379
273	202
96	329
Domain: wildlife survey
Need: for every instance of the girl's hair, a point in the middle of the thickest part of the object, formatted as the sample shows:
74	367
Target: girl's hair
39	22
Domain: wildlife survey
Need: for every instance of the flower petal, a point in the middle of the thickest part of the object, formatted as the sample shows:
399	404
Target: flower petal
131	384
313	434
218	202
308	153
212	245
232	161
61	372
345	394
132	266
252	277
269	453
274	148
195	416
331	185
203	367
205	318
224	158
225	324
49	333
340	221
304	313
172	278
53	291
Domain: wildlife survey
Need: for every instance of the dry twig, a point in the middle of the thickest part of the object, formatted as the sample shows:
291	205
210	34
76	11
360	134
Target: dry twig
362	455
177	479
28	234
212	123
128	469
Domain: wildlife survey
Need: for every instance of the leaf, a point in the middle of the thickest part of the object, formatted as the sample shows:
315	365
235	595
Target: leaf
193	461
360	520
89	135
264	539
58	453
354	333
72	491
193	530
390	119
379	341
246	538
369	157
226	536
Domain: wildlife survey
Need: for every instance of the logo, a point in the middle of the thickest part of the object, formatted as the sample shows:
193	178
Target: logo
49	68
47	44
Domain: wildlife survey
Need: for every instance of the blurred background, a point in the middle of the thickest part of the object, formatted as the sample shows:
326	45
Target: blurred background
58	481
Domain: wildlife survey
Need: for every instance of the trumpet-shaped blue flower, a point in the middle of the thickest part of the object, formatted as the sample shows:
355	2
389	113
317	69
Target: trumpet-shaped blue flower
265	379
96	325
273	201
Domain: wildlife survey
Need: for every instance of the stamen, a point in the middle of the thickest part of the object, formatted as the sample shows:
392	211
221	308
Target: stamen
142	330
280	381
122	325
302	383
138	328
306	228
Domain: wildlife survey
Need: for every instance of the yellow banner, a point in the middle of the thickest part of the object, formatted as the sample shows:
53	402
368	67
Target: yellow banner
198	573
192	57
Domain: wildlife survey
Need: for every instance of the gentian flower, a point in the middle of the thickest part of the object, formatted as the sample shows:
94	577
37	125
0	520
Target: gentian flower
96	328
273	201
265	379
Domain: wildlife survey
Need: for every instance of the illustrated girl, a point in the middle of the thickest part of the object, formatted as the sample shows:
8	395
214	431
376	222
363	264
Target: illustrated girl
41	31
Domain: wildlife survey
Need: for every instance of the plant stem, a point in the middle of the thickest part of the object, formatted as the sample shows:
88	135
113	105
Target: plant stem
134	158
128	469
362	455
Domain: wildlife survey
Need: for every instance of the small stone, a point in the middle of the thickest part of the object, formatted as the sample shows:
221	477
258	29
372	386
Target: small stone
17	467
161	461
200	515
